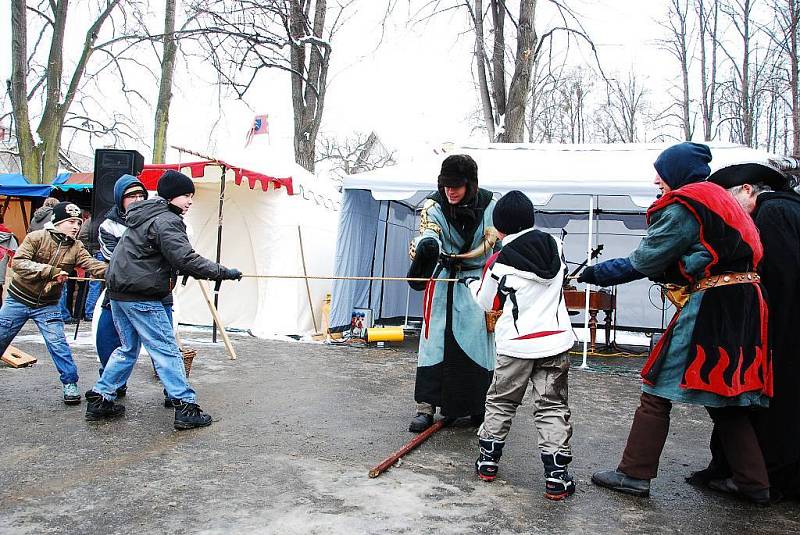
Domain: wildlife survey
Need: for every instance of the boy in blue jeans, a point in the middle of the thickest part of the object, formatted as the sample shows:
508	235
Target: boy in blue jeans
143	270
40	269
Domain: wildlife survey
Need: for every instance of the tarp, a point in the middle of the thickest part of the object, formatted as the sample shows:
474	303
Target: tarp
152	172
380	207
16	185
260	237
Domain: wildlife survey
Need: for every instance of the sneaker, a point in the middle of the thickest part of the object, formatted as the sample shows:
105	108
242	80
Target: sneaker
622	482
189	416
558	483
420	422
72	396
122	391
99	408
171	403
490	452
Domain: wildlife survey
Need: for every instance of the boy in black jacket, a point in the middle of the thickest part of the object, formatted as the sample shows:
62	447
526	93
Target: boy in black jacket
143	270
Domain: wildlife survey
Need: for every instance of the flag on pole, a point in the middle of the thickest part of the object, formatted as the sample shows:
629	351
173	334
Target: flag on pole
260	125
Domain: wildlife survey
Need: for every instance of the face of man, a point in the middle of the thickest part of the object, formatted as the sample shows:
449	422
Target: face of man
128	200
745	196
70	227
663	186
455	195
184	202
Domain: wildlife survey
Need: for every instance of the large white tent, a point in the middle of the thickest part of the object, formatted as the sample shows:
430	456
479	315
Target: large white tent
263	221
567	183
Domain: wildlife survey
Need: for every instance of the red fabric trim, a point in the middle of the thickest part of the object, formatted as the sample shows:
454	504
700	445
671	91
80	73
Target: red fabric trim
540	334
489	263
152	172
427	304
656	353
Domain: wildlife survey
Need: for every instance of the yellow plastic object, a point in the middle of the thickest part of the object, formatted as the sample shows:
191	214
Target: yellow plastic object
385	334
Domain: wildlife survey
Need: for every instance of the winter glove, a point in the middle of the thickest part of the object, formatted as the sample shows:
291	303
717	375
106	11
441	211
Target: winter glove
424	262
467	280
230	274
588	276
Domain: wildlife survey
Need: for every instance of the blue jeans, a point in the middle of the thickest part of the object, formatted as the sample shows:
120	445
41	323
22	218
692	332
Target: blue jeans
95	288
13	316
137	323
107	339
66	315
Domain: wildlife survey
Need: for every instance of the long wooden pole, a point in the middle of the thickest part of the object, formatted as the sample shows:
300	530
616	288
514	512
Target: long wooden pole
416	441
305	274
332	277
217	320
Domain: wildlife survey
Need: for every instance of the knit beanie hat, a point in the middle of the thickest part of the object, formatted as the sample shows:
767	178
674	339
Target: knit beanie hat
683	164
134	189
513	213
174	184
65	210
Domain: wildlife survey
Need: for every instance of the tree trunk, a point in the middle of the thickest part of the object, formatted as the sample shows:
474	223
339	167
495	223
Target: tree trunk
746	105
18	90
480	66
498	63
161	120
794	19
520	82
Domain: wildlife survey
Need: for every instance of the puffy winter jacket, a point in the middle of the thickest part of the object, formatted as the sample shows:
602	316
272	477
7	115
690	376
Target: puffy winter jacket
152	252
40	257
40	218
524	280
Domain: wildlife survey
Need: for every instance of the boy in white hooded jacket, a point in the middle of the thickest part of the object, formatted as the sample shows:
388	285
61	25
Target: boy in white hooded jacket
533	336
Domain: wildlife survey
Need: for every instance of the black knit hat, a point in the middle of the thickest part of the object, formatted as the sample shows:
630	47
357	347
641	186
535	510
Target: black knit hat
750	173
513	213
65	210
683	164
174	184
459	170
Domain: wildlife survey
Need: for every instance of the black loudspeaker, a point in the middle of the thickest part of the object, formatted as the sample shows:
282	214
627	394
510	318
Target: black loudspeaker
109	165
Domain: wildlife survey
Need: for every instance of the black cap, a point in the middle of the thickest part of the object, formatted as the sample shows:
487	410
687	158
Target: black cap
750	173
513	213
174	184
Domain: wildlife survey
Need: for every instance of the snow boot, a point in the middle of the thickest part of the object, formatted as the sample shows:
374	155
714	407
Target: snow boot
558	483
189	415
490	453
99	408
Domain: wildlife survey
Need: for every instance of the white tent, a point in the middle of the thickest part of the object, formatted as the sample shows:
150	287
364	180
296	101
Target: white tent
261	236
563	181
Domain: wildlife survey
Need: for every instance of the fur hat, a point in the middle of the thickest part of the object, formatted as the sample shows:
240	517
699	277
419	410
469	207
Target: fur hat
513	213
174	184
64	211
459	170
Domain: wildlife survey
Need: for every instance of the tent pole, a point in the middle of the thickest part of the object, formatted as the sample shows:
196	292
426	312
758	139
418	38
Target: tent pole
588	286
219	247
308	287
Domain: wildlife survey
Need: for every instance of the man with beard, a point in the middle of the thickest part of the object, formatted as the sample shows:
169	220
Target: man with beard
764	193
714	352
456	353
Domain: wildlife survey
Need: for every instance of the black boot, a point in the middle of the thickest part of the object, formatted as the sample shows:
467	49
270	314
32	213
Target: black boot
420	422
558	483
728	486
99	408
490	453
622	482
189	416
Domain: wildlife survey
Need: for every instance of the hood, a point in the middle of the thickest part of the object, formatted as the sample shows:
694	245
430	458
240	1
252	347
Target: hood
59	237
767	196
42	214
144	211
533	253
123	183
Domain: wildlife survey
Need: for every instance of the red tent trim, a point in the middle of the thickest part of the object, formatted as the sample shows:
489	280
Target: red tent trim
152	172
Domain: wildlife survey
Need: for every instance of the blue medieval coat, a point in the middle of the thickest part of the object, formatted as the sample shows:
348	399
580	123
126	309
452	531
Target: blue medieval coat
456	353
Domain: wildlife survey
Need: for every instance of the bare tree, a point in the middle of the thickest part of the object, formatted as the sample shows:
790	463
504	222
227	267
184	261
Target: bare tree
354	154
679	46
161	119
626	108
707	12
39	157
786	17
739	14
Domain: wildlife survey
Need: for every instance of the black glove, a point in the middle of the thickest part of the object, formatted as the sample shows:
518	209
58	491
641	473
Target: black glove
228	274
424	263
588	276
467	280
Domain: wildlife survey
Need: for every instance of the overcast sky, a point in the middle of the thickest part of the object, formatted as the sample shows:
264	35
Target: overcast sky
415	88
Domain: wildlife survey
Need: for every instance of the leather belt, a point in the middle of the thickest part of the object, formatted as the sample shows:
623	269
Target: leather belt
725	279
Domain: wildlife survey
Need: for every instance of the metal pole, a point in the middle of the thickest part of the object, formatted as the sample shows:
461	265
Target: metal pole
588	286
219	247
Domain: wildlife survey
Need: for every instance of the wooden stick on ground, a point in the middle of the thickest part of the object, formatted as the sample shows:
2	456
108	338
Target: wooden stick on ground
217	320
416	441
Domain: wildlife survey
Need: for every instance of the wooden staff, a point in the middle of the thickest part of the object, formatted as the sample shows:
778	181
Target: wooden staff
305	274
416	441
217	320
315	277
